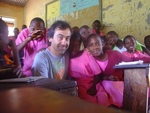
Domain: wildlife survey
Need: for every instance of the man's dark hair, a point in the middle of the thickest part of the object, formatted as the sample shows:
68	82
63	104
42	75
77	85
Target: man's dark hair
58	24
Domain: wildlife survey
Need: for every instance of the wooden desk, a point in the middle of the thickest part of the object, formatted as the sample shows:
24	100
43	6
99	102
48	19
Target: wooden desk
64	86
136	83
40	100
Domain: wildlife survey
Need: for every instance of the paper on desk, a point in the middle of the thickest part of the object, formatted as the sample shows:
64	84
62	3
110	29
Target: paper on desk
131	63
26	79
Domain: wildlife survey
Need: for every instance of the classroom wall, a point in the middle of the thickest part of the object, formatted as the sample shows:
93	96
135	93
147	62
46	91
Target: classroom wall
14	12
36	8
127	17
123	16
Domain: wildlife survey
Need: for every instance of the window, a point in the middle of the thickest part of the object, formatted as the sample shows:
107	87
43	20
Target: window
11	24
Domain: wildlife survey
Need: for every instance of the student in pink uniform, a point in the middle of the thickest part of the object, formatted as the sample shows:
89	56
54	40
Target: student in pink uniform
132	52
96	25
75	43
31	40
97	80
84	31
147	44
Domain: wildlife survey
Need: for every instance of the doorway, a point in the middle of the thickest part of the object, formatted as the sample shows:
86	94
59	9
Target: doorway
11	24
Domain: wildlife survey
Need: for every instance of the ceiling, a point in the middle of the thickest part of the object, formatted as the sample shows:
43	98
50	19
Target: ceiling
20	3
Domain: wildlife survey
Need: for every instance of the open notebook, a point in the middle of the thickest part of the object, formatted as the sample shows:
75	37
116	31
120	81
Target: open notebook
130	63
26	79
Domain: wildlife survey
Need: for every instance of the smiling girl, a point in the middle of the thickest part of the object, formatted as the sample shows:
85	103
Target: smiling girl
97	80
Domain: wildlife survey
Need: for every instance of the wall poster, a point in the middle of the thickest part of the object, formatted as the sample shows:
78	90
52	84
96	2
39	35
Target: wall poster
62	8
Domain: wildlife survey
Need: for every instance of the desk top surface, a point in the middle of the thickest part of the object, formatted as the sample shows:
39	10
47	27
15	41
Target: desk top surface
132	66
44	82
40	100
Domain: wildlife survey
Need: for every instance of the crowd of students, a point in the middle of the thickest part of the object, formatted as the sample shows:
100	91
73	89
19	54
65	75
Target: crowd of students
81	53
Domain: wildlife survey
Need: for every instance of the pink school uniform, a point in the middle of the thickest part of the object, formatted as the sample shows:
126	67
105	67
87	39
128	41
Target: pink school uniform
101	33
30	49
84	68
138	55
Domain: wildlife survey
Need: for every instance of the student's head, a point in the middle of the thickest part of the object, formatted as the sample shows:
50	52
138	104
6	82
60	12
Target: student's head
75	29
96	25
16	32
59	35
130	43
75	43
147	41
112	38
24	26
4	40
37	24
106	45
95	45
85	31
120	44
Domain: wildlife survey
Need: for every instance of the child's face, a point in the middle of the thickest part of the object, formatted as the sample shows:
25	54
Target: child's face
112	39
147	42
74	47
130	44
96	26
16	32
94	45
119	44
37	26
85	32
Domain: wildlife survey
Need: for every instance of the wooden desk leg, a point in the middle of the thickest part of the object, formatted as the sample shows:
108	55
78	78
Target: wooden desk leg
148	102
135	90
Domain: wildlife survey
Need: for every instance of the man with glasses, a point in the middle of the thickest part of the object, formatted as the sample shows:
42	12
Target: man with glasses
31	40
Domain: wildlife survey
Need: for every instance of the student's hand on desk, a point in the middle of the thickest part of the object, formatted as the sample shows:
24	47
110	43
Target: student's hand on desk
111	77
18	71
92	91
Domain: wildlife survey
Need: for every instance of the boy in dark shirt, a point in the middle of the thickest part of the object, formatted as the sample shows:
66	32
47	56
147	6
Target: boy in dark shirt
8	70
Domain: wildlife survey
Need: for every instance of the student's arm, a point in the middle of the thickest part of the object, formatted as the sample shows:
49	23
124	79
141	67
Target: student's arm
12	70
15	53
92	90
146	50
33	36
17	65
23	44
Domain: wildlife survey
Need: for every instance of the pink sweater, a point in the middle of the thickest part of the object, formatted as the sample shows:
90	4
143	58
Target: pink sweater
30	49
